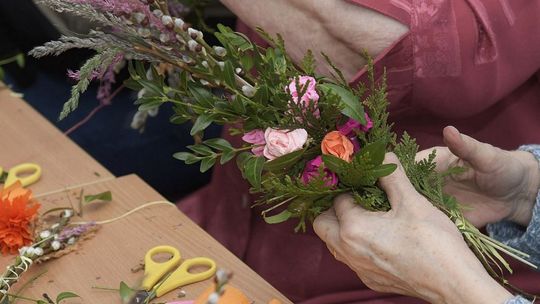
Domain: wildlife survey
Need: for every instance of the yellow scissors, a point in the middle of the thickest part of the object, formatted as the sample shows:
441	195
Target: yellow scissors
27	174
160	278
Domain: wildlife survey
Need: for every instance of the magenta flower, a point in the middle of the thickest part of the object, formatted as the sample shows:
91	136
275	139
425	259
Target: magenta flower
311	171
351	126
255	137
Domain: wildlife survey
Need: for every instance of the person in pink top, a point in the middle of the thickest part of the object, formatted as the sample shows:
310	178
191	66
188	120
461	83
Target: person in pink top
473	64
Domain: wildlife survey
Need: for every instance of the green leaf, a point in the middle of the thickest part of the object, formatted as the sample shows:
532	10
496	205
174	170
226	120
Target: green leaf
104	196
335	164
42	302
218	144
66	295
228	74
201	150
284	162
253	171
207	163
352	106
278	218
384	170
241	160
262	95
20	60
238	104
247	63
227	156
201	124
374	151
132	84
203	96
178	119
126	292
187	157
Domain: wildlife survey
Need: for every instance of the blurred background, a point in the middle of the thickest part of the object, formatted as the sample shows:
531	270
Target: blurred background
107	136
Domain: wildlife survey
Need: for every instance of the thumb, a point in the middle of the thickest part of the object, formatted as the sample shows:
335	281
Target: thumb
476	153
396	185
345	207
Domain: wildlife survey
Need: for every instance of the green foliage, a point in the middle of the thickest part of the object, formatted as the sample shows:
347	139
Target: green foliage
365	168
283	163
126	292
350	103
19	59
208	152
95	64
278	218
66	295
372	199
10	298
103	196
253	169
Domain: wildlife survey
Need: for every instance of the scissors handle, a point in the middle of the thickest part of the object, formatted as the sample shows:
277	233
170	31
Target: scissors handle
14	173
182	276
154	271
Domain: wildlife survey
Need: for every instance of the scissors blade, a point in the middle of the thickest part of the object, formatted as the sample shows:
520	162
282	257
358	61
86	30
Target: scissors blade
142	296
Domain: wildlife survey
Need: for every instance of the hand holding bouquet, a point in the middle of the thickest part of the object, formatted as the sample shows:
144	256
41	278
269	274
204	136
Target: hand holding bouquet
307	138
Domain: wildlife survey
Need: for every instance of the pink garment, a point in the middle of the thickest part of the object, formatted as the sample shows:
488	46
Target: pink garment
473	64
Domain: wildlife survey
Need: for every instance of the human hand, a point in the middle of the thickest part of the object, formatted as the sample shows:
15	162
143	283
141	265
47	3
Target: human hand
498	184
413	249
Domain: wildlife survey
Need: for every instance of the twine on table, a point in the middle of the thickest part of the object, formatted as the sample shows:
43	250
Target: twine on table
127	213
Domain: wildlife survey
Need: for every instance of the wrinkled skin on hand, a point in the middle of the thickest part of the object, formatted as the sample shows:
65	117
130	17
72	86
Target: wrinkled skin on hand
497	185
413	249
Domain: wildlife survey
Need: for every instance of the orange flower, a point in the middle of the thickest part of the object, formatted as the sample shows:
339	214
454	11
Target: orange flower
337	144
17	211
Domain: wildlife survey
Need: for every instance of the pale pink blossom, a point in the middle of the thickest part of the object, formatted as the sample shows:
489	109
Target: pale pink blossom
281	142
255	137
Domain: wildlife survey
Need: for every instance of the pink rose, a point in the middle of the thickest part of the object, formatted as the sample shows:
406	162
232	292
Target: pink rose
255	137
281	142
309	96
311	171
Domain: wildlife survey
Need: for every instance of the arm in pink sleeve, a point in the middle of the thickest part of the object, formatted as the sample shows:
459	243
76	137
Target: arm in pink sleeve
477	51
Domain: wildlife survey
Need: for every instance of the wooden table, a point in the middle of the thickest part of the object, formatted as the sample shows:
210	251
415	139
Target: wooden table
107	258
28	137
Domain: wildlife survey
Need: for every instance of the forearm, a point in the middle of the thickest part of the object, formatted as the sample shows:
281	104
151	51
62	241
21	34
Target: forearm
337	28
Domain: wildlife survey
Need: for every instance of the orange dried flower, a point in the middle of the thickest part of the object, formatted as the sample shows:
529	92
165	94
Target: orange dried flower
17	212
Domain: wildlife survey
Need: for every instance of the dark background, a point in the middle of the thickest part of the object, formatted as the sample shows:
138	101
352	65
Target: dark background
107	136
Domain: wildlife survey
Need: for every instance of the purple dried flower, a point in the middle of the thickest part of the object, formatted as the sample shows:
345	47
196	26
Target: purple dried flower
76	231
76	75
107	80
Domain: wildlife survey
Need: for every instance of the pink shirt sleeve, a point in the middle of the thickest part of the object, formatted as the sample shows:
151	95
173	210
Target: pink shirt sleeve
467	52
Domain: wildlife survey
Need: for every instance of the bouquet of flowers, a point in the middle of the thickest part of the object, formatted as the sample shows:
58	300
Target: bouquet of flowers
307	138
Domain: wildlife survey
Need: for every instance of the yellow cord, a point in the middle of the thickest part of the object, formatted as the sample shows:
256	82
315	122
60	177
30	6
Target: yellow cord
127	213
